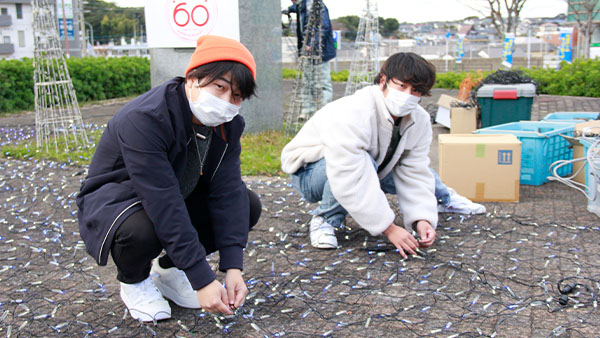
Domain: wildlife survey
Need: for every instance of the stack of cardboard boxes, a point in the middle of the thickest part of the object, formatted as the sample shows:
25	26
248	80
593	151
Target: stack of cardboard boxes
483	168
453	114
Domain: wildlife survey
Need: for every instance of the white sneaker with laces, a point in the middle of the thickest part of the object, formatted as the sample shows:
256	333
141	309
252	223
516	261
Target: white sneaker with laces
144	301
174	285
322	235
461	205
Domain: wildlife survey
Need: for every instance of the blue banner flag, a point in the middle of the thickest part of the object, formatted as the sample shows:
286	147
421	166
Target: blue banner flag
507	55
565	53
460	48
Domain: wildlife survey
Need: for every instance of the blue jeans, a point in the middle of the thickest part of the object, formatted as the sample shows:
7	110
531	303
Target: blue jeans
311	181
317	94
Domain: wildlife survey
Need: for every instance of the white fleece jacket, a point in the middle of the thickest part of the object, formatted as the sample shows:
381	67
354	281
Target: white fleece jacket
348	133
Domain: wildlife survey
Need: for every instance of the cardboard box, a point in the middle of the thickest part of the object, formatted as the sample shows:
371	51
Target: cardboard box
459	120
483	168
592	128
443	114
463	120
577	153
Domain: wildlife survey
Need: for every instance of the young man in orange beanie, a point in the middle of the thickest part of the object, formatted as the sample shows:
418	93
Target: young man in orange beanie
166	176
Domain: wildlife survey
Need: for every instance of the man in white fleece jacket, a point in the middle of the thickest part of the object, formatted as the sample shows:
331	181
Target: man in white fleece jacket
356	149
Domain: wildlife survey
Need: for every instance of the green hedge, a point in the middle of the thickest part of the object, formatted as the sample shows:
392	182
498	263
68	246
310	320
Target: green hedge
106	78
101	78
580	78
16	85
93	79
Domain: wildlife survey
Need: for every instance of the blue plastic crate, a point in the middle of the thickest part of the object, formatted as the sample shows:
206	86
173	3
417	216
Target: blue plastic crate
575	117
541	146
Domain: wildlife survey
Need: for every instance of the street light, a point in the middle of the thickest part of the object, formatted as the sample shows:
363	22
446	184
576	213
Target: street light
91	32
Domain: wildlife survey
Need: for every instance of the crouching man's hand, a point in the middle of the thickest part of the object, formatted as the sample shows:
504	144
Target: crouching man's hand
401	239
213	298
236	288
426	232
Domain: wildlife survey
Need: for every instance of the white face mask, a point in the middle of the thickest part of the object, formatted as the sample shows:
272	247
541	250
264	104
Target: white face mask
211	110
400	103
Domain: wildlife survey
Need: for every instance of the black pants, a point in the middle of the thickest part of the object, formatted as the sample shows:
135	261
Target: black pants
135	244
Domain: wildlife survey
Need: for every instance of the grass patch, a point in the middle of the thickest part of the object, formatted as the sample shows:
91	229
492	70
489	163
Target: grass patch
341	76
76	155
260	152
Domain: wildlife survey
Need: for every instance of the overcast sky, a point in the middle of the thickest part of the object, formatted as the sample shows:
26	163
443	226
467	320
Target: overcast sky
418	10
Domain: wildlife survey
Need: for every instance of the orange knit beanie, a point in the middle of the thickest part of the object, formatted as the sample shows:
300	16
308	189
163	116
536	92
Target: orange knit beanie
211	48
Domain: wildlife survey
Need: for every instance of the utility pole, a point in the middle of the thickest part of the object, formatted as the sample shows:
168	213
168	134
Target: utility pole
64	17
446	55
91	33
82	35
528	46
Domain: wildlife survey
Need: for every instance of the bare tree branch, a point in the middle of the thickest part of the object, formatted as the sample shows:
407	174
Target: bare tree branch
584	12
476	9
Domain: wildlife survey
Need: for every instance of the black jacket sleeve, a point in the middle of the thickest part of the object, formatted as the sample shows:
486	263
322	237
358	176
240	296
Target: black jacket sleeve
228	204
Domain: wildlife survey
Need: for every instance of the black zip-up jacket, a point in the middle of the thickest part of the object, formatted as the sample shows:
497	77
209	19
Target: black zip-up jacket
138	163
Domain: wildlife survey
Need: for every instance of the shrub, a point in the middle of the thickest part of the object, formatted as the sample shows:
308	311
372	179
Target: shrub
93	79
452	80
16	85
341	76
580	78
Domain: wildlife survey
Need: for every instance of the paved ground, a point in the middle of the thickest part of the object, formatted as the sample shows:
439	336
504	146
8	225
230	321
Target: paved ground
498	274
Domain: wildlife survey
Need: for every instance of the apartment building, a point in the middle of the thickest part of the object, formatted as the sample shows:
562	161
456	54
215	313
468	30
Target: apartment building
16	28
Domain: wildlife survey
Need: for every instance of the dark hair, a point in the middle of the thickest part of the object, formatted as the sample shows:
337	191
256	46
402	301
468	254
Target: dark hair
241	76
410	68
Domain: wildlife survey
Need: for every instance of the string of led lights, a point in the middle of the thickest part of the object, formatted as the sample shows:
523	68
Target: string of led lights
498	274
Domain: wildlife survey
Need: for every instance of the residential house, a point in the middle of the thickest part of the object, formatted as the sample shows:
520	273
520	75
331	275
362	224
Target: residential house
16	28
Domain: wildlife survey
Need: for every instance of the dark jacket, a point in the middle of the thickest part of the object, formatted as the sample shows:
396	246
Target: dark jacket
138	163
329	51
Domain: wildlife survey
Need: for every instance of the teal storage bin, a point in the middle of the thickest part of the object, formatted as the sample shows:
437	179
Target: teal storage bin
576	117
501	104
541	145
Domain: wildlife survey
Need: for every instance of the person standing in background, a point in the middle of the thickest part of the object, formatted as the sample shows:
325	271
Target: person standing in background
322	87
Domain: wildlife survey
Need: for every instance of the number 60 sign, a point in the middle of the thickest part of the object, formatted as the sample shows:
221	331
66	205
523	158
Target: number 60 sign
192	18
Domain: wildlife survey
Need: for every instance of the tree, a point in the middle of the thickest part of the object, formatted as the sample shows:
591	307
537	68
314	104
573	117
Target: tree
503	13
350	22
388	27
584	12
111	22
511	21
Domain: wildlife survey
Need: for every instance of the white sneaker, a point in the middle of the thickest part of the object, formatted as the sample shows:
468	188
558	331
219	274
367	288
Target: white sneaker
322	235
174	285
144	301
461	205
